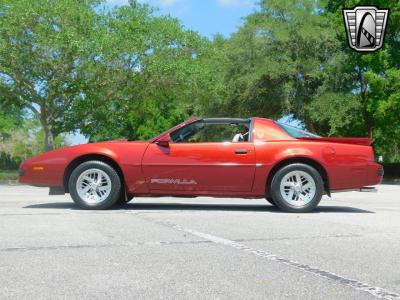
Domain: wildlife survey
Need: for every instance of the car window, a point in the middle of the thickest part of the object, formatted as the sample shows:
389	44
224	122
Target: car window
296	132
206	132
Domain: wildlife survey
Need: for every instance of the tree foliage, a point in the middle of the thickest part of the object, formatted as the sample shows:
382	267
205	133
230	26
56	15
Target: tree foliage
44	48
120	72
361	96
126	72
274	60
23	139
292	58
148	77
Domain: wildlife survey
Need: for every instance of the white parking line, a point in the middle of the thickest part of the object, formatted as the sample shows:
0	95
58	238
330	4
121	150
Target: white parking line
355	284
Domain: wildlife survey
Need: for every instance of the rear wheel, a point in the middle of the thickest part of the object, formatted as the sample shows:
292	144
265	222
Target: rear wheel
95	185
270	200
297	188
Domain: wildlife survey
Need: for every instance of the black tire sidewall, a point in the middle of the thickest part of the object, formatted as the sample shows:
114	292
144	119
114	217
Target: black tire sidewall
270	200
276	181
115	185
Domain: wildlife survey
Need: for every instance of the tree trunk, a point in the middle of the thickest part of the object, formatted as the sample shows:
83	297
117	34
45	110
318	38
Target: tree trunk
368	121
47	127
48	138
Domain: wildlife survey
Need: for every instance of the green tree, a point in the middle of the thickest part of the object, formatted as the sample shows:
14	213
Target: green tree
152	75
361	95
10	118
292	58
44	46
275	58
120	72
26	140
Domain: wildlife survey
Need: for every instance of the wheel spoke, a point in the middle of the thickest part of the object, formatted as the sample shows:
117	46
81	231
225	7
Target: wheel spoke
96	197
291	193
302	197
298	179
86	189
104	188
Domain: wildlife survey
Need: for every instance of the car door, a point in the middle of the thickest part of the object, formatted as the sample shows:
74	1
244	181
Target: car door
200	166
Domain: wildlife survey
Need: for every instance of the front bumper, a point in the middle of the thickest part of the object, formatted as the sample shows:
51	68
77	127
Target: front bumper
56	191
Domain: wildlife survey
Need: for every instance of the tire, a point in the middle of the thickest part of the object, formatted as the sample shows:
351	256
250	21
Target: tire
88	192
123	199
293	197
270	200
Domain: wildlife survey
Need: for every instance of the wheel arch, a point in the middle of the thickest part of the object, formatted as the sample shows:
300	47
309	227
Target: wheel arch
87	157
299	159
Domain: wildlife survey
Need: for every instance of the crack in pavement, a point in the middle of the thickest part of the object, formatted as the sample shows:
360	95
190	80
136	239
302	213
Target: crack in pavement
378	292
299	238
83	246
66	247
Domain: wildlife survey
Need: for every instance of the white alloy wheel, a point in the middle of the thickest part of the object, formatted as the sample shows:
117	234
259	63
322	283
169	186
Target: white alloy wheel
297	188
93	186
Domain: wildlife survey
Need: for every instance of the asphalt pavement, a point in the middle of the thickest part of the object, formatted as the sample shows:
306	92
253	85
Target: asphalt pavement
199	248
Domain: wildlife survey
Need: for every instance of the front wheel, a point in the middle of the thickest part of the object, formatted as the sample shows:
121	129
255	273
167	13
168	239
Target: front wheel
95	185
124	198
297	188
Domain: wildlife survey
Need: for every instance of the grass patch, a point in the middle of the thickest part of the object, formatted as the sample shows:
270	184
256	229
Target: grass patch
8	175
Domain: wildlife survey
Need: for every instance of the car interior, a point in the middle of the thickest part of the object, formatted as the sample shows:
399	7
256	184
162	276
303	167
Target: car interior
213	130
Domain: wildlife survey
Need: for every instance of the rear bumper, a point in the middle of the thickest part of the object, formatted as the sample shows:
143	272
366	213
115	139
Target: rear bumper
374	174
381	172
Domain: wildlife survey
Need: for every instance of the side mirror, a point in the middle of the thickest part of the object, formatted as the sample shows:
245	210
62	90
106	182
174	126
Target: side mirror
164	141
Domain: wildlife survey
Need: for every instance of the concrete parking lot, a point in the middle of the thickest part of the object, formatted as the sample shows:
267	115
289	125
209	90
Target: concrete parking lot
200	248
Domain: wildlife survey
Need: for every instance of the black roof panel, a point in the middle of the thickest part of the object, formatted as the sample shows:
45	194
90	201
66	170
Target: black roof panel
225	120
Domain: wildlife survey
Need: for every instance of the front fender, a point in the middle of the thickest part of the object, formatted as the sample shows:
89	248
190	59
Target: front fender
48	168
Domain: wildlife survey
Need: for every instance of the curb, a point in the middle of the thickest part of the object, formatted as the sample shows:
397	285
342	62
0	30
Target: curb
9	182
391	181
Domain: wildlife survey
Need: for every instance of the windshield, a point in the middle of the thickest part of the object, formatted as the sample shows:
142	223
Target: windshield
296	132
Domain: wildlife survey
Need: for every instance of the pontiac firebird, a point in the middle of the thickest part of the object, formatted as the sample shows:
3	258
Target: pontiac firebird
229	157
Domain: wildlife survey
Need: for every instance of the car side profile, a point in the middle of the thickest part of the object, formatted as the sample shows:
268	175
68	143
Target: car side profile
230	157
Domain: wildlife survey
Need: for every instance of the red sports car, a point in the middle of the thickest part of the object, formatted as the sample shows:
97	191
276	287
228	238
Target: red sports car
228	157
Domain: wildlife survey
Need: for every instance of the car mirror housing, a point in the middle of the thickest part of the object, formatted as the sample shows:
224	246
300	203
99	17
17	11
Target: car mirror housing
164	141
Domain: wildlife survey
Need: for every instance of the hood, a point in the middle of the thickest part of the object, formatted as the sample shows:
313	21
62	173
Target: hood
341	140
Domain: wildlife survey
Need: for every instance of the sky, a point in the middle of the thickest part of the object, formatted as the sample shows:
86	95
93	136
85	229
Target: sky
207	17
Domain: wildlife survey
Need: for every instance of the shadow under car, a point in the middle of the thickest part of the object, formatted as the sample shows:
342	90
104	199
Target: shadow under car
202	207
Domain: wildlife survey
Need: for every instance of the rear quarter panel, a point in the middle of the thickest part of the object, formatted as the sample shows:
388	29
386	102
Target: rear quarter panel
346	165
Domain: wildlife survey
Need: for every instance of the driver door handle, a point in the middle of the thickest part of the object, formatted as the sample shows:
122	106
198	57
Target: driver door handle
240	151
